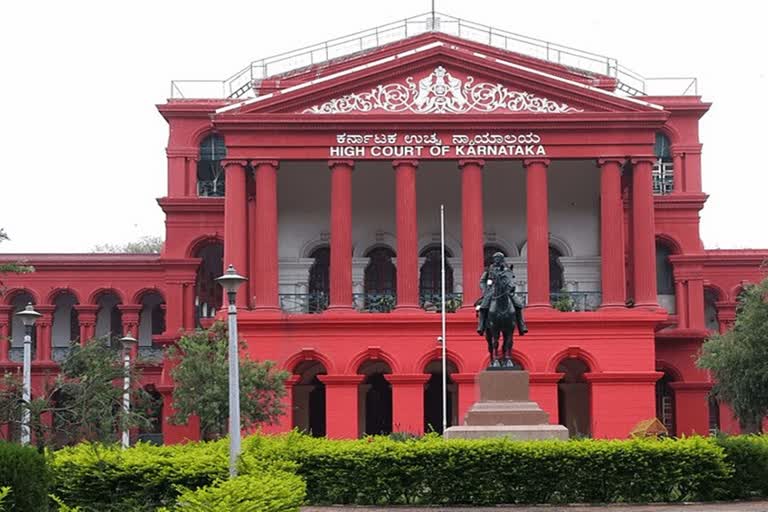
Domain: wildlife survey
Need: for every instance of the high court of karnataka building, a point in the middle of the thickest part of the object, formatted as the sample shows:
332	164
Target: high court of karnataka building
319	175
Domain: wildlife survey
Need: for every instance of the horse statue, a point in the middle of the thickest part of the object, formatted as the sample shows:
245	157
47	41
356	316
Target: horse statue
499	312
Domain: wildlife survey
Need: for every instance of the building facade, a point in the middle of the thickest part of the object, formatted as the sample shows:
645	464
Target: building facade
322	184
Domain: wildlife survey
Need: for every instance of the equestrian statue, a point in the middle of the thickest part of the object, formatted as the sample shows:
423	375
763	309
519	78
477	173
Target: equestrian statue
499	310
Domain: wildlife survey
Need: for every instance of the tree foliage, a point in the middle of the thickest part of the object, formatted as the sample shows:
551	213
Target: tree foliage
200	371
738	359
11	268
144	245
81	403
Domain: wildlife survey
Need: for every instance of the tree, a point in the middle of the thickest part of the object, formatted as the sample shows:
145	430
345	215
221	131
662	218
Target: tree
144	245
82	403
11	268
200	371
738	359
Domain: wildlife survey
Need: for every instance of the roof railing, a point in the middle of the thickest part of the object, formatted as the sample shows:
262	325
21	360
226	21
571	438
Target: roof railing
241	84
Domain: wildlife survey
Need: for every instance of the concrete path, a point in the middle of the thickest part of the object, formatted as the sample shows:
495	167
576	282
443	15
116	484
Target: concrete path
749	506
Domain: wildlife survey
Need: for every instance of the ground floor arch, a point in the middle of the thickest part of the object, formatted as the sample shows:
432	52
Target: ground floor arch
309	399
573	398
375	399
433	397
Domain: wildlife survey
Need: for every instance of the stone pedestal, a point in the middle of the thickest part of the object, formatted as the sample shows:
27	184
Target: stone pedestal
505	410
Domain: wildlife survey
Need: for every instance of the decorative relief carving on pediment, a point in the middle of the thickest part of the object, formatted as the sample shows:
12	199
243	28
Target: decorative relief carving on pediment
441	93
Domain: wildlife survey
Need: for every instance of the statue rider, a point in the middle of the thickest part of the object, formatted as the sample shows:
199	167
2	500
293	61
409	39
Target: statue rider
497	270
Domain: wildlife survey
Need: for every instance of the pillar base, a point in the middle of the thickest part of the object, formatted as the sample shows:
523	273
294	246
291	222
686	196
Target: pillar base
341	309
612	307
408	308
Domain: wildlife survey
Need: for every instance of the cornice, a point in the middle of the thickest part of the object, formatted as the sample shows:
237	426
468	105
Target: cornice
680	201
191	204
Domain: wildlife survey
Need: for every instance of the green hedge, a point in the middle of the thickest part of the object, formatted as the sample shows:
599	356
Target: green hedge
274	491
25	471
106	479
429	471
379	471
748	456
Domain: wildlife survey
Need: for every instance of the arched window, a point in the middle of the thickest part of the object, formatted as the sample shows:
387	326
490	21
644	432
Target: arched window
152	319
208	293
489	250
319	279
556	277
109	319
665	279
430	280
380	274
18	303
210	173
66	327
710	310
663	172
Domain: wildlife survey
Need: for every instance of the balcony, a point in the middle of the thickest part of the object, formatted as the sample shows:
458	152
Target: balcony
306	303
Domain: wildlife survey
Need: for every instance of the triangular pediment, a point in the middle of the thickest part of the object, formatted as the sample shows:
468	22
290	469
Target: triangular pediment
438	78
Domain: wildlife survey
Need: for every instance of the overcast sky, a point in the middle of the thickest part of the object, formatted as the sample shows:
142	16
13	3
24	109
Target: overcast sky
83	144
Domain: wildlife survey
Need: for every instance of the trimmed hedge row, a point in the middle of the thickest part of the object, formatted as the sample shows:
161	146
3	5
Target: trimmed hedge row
748	456
105	479
379	471
25	471
430	470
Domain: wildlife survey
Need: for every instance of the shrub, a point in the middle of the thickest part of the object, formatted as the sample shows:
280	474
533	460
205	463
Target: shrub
748	455
438	472
274	491
4	491
104	479
24	470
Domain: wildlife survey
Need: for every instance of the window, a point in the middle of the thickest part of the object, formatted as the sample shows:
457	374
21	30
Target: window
556	278
380	274
210	173
319	279
665	281
430	281
663	172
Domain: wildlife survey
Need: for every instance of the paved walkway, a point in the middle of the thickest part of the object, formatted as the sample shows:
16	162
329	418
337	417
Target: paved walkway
750	506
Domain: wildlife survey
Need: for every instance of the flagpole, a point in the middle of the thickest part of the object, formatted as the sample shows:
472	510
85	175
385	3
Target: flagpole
442	315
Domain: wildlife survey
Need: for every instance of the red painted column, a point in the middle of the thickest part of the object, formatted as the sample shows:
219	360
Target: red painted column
44	340
468	392
696	304
408	402
5	329
543	391
681	304
341	411
632	393
407	235
131	314
188	292
643	234
265	280
236	223
728	422
678	172
613	280
173	433
341	235
472	236
86	315
691	407
538	232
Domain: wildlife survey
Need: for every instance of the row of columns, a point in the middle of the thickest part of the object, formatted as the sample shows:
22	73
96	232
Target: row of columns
263	286
86	315
608	391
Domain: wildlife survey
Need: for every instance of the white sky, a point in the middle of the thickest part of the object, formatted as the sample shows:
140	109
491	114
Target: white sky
83	145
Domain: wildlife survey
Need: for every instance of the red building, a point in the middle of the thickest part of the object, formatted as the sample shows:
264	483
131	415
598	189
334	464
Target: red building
319	175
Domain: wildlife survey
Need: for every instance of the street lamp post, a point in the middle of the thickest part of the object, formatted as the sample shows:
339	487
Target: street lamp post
28	317
231	281
128	342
